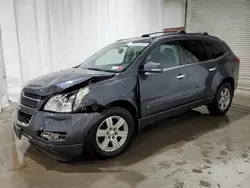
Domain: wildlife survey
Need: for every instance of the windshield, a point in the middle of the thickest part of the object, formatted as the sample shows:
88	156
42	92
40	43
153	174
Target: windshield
115	57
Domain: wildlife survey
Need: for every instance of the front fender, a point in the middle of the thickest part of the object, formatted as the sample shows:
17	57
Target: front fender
102	94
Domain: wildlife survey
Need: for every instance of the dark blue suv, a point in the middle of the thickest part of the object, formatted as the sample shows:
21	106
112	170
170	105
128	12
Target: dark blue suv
101	103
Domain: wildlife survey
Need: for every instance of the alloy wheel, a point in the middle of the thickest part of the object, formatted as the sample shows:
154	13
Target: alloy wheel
225	98
112	133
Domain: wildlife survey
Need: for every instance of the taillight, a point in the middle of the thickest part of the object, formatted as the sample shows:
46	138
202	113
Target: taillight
238	60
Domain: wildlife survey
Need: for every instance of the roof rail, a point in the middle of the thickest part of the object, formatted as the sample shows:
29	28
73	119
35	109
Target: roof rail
126	39
148	35
163	32
198	33
182	31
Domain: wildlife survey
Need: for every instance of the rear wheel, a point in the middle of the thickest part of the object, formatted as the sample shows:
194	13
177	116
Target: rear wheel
112	133
222	100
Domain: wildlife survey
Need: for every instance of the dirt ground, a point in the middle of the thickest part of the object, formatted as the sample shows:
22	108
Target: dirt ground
191	150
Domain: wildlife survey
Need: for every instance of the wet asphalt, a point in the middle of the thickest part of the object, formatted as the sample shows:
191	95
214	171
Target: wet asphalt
191	150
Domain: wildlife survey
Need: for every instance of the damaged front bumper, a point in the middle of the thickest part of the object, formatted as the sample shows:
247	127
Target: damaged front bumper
74	127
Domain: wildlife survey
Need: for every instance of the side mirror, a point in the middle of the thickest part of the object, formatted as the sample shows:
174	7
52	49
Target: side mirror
151	67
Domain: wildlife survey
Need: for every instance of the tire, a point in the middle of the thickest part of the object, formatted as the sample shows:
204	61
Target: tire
112	142
221	105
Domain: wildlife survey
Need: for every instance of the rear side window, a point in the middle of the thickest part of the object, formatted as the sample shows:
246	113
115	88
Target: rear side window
194	51
216	49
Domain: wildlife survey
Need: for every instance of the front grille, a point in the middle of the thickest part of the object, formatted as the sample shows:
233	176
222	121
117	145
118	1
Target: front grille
33	96
23	117
29	100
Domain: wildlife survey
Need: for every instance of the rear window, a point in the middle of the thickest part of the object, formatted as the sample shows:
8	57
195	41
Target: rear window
216	48
194	51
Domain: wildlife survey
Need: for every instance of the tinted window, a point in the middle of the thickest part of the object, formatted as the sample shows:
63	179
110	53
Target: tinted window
165	54
194	51
216	49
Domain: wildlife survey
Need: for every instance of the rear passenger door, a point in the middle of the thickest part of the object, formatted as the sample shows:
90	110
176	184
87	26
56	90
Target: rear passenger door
199	70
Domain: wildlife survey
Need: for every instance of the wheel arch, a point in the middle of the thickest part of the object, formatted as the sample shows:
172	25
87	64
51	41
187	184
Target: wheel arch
213	106
229	80
130	108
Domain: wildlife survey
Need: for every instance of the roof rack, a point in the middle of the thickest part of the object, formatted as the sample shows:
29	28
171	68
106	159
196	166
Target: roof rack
126	39
166	32
163	32
171	32
198	33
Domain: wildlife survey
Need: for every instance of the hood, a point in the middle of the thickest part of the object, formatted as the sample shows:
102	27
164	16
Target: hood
62	80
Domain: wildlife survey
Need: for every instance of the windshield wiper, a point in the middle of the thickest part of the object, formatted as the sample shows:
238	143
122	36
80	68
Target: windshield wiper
97	69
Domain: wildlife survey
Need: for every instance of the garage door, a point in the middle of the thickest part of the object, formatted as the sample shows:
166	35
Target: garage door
230	21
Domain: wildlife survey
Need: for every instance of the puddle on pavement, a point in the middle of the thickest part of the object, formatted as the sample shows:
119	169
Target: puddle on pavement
166	135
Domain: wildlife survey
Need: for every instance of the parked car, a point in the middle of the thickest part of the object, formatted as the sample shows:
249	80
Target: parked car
100	104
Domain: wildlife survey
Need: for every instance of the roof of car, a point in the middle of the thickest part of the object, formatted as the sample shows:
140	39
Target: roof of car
150	37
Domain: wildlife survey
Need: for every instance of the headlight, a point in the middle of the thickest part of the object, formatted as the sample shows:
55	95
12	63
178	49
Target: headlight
66	102
60	103
79	96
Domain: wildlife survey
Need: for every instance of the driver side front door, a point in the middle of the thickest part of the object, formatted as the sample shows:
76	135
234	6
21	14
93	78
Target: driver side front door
162	91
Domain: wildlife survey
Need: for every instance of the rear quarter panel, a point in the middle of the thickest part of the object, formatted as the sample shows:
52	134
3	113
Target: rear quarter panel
227	67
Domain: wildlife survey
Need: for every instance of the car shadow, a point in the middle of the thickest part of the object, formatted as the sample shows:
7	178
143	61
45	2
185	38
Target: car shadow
156	138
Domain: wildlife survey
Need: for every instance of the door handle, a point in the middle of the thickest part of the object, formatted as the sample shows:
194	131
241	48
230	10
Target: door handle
212	69
180	76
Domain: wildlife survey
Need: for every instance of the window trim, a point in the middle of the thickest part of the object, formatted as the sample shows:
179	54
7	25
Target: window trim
207	49
158	44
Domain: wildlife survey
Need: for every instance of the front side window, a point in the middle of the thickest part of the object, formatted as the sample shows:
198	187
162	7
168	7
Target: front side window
216	49
167	55
194	51
115	57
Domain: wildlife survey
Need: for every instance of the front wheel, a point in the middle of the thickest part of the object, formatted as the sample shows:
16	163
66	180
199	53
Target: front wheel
222	100
112	133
